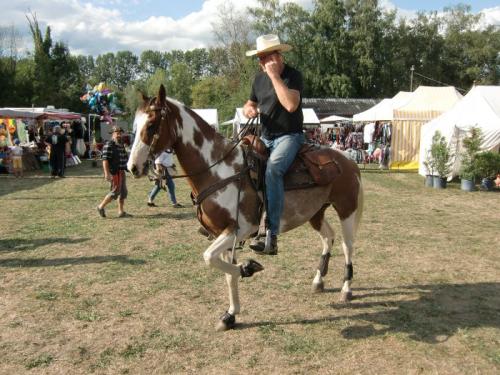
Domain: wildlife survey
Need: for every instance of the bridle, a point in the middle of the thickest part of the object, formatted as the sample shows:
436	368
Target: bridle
164	111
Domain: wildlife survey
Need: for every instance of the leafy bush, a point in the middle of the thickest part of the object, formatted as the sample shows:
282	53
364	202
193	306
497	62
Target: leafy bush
488	164
440	154
471	144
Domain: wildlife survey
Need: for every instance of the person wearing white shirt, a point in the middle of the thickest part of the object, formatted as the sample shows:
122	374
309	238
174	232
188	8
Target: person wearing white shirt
165	167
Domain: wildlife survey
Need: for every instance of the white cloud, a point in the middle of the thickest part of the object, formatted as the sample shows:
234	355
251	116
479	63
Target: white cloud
491	16
96	29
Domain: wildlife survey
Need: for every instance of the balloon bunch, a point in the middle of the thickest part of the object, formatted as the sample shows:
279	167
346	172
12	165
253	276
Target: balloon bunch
102	101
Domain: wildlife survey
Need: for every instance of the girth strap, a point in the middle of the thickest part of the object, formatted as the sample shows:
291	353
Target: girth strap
197	200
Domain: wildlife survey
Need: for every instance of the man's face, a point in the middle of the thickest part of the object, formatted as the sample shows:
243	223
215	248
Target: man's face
270	57
117	136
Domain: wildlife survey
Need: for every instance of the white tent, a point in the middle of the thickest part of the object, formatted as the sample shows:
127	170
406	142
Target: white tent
479	108
384	110
334	118
209	115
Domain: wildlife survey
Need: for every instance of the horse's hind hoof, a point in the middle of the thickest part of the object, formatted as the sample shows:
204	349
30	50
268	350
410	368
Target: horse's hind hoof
318	288
227	321
346	297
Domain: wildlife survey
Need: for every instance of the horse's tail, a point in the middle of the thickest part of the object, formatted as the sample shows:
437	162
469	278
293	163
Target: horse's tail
359	210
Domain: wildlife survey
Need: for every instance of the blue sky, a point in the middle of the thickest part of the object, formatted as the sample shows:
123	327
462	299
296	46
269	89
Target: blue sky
141	9
93	27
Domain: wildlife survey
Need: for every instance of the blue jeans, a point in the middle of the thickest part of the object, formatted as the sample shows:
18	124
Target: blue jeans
282	154
171	190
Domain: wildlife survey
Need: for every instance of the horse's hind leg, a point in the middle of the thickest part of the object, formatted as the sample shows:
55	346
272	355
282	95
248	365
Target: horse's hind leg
348	231
327	235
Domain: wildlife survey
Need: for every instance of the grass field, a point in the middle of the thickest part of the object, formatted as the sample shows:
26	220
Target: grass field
80	294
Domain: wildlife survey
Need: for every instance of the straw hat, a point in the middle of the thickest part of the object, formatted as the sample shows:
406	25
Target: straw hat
268	43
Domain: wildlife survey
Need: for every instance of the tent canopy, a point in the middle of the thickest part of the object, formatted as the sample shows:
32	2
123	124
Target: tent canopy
427	100
425	104
39	113
479	108
384	110
209	115
333	118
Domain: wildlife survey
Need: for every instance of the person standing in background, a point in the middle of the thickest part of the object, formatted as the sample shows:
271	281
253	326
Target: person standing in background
165	168
57	143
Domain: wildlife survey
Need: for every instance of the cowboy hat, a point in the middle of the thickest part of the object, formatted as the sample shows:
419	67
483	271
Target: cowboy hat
268	43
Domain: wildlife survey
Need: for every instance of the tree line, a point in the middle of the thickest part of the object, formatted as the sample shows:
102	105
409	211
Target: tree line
344	48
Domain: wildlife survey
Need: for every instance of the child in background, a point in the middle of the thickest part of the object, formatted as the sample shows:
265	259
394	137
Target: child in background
16	157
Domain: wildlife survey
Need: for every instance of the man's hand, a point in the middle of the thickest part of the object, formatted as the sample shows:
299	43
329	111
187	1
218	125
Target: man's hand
272	69
108	177
250	109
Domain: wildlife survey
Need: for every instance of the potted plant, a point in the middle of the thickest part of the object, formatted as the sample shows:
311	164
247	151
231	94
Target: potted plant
440	153
488	166
468	171
429	167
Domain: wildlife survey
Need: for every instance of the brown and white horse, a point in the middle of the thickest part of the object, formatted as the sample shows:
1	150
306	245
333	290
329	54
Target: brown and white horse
207	158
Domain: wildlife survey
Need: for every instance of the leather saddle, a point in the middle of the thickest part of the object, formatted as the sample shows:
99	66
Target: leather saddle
313	166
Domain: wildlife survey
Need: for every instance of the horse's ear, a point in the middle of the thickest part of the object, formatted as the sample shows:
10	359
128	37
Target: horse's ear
162	94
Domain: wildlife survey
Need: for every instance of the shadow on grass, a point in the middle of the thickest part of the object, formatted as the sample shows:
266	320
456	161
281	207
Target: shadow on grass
184	215
15	185
16	262
435	314
21	244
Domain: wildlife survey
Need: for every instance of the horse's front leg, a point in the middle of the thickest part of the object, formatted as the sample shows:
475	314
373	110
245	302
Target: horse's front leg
217	256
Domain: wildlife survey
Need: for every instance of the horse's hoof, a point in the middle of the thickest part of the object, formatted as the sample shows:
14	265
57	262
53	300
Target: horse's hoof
227	321
345	297
250	267
318	287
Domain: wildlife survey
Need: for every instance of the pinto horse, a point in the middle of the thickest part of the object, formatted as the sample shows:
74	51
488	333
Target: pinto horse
215	165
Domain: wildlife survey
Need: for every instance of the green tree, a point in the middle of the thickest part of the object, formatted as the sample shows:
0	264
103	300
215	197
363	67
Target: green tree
44	83
327	73
104	70
126	67
364	35
180	82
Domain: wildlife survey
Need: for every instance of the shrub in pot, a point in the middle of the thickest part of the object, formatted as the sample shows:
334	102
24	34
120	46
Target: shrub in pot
488	166
429	168
441	154
468	170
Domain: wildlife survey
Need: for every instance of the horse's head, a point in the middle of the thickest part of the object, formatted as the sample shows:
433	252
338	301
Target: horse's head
155	132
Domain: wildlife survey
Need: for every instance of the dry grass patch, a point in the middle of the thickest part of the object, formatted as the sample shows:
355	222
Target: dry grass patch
80	294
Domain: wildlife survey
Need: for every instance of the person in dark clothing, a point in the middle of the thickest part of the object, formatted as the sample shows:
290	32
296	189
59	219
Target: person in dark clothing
57	142
114	164
277	97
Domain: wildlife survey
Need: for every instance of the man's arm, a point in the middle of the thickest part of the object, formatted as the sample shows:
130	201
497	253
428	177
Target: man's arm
107	172
105	162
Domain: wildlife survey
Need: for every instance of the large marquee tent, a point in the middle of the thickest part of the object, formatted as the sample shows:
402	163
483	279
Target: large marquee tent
425	104
479	108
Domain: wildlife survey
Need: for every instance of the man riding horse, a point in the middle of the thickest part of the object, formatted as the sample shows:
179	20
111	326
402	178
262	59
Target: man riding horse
277	96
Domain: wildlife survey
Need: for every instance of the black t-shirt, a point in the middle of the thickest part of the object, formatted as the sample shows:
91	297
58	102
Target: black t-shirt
57	142
276	120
